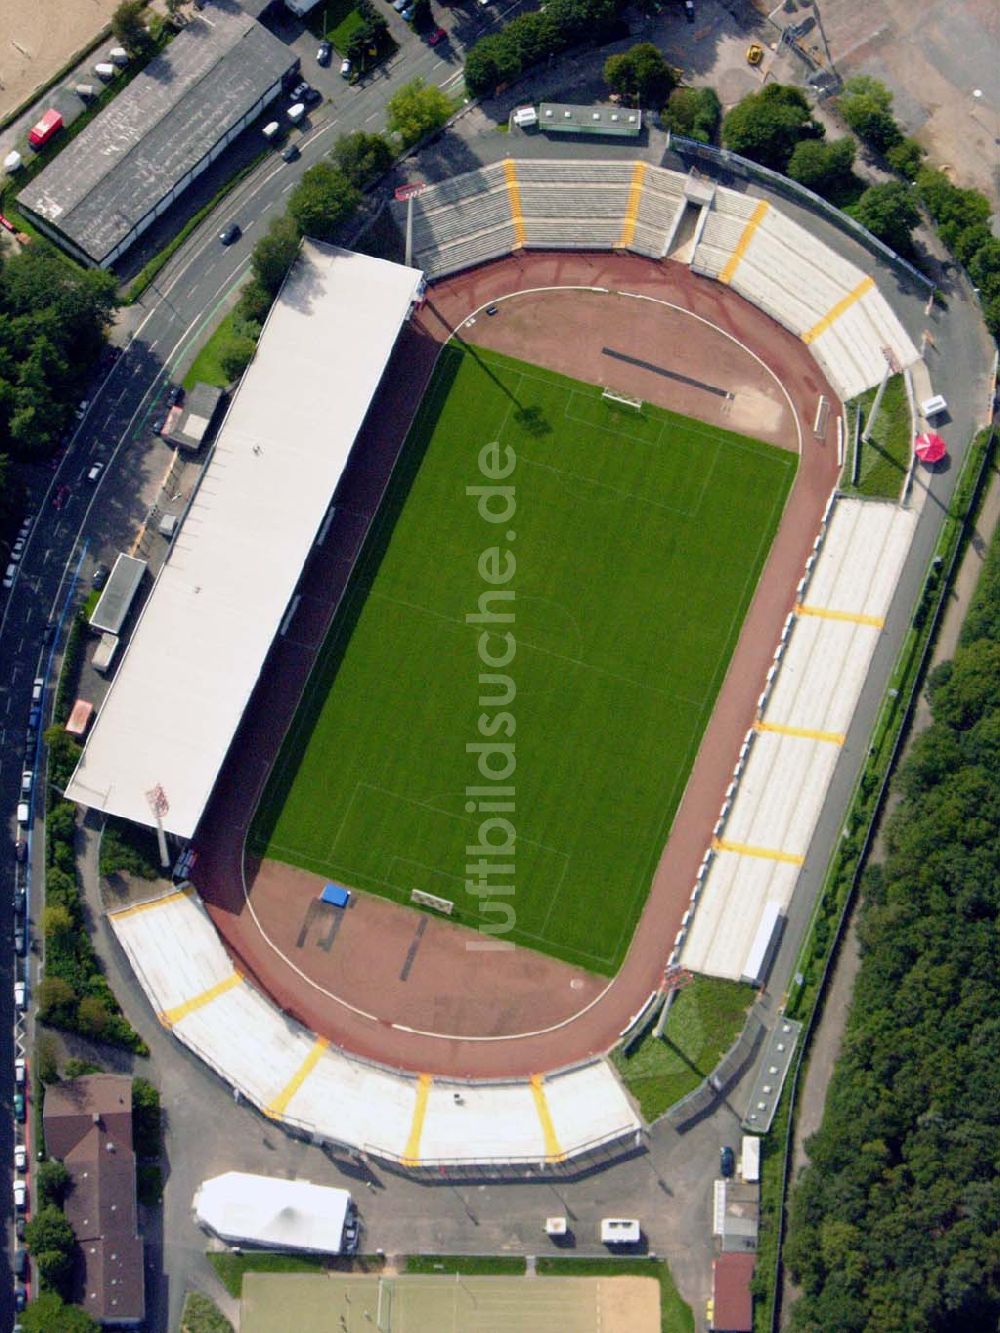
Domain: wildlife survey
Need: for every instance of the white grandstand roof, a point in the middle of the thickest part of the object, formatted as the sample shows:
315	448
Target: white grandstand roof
199	646
281	1214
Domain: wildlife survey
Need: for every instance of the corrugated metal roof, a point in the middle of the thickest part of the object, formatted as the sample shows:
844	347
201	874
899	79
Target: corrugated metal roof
206	628
158	128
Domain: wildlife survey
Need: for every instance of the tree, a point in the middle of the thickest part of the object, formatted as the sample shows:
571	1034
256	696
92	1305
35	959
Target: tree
275	252
48	1314
147	1118
56	998
888	211
52	1180
640	76
92	1016
322	200
60	822
766	126
129	29
825	168
906	157
866	106
56	921
362	157
76	1068
47	1058
693	112
52	1244
235	355
418	109
63	757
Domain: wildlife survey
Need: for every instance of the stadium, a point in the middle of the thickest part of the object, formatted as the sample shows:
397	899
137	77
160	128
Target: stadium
518	601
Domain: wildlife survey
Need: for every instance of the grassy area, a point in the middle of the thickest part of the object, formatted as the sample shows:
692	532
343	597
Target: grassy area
675	1313
704	1021
336	20
885	458
469	1265
206	368
230	1268
202	1315
636	545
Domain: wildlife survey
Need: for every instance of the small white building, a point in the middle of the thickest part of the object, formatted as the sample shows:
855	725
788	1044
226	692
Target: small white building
274	1214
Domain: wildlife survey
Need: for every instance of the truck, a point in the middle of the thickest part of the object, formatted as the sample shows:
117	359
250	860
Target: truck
50	124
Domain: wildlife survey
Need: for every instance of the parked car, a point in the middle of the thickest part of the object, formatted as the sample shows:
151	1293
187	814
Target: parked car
19	1071
20	1300
228	236
35	713
727	1161
290	152
407	14
19	1111
9	575
93	473
20	1196
49	632
20	942
160	422
81	410
20	851
19	1262
325	54
99	576
345	69
60	497
305	92
16	549
17	899
20	1158
438	35
19	995
689	10
175	395
23	813
27	782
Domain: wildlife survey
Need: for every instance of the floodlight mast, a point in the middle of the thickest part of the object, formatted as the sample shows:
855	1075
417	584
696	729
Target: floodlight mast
159	805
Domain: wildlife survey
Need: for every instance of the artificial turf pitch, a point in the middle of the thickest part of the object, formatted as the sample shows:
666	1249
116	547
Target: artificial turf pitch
638	539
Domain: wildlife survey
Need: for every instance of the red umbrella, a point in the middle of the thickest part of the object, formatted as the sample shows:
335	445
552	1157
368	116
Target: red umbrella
930	448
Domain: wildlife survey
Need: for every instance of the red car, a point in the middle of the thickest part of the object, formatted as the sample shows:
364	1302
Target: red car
60	497
438	35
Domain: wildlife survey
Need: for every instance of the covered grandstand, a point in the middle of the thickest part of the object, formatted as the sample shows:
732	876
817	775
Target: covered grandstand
177	116
206	629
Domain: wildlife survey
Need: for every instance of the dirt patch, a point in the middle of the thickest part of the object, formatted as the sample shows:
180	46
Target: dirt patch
37	39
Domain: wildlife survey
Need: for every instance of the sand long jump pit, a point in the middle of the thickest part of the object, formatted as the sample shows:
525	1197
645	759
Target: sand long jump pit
36	40
330	1303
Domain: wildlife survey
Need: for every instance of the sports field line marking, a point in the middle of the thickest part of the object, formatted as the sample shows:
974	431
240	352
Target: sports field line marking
828	613
411	1153
807	733
277	1108
547	652
553	1149
764	853
170	1017
598	425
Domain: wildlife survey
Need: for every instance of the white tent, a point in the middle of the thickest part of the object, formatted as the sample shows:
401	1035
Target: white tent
279	1214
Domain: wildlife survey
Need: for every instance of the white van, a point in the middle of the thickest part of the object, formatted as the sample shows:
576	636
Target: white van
620	1231
23	814
36	689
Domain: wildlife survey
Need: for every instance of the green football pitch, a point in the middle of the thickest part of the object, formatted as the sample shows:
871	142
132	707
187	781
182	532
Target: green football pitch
634	550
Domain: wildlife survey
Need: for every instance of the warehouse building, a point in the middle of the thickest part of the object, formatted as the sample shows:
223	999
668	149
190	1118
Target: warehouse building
175	118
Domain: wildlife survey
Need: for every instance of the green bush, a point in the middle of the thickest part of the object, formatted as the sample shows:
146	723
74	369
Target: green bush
202	1315
766	126
826	168
866	106
694	113
890	213
69	675
906	157
127	848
